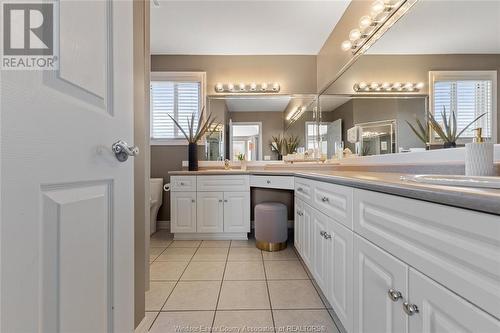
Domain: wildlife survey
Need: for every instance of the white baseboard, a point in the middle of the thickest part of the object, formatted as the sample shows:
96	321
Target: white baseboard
162	225
211	236
142	327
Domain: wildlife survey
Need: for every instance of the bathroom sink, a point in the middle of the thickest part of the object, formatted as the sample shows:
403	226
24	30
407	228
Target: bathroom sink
452	180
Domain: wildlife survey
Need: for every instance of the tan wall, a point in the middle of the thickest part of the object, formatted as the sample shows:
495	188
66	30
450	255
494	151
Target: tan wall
142	162
413	68
295	73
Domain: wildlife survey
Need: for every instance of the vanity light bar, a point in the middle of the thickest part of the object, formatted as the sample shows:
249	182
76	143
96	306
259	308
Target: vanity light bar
380	12
295	114
388	87
248	87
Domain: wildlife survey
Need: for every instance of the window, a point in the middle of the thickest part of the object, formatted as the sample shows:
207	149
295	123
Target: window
312	136
468	94
176	94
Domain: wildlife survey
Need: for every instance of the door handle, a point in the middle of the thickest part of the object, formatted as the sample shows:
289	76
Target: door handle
123	150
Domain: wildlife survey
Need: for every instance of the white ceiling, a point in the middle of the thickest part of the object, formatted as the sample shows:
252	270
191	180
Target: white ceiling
243	27
258	104
444	27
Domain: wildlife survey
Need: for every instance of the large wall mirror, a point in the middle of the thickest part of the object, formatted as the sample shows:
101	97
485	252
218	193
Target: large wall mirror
261	127
428	62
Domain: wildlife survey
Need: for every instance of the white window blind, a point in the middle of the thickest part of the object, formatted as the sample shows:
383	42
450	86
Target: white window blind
468	99
312	136
178	99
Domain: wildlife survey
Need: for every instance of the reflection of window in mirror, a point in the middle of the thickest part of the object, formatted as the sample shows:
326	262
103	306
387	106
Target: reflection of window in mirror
179	95
469	94
245	139
312	136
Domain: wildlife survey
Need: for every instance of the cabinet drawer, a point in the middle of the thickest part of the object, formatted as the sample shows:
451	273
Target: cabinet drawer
226	183
334	201
182	183
303	189
281	182
456	247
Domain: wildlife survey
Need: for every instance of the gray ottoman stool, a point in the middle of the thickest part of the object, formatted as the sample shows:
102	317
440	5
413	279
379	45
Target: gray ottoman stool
271	230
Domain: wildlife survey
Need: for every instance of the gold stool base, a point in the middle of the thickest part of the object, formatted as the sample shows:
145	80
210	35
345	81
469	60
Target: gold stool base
270	247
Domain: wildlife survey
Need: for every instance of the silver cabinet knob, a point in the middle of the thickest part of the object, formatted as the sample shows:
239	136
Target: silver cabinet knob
327	236
182	183
300	189
410	309
193	201
325	199
268	181
322	233
220	200
394	295
225	200
123	150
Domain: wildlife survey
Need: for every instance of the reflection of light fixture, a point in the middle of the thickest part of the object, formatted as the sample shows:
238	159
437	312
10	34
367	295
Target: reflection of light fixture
388	87
374	134
243	87
379	13
296	113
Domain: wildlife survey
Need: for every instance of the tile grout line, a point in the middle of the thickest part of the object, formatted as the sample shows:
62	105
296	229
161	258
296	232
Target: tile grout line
268	293
176	283
220	288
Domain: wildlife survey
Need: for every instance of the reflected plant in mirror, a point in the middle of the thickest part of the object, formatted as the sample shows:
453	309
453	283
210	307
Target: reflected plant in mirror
421	131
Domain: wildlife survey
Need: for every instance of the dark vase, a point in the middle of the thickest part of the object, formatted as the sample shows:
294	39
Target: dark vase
280	157
193	157
449	145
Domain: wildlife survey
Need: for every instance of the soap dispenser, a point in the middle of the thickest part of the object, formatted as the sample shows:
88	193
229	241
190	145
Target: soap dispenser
479	156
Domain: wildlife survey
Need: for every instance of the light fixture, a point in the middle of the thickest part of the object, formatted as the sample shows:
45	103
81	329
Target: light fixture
379	13
296	113
243	87
388	87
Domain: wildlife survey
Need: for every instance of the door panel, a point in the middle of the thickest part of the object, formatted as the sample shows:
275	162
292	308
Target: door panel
298	225
319	249
67	202
375	272
441	311
307	240
183	205
236	211
209	212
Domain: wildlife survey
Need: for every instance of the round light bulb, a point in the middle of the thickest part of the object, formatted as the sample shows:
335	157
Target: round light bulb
346	45
365	22
263	86
420	85
396	85
386	86
253	86
242	86
409	85
354	35
374	85
377	7
276	86
230	86
363	85
219	86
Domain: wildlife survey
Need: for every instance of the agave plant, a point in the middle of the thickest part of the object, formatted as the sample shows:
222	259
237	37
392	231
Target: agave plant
448	131
421	131
291	143
204	126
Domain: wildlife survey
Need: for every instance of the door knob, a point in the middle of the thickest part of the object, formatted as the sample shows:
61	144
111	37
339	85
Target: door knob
269	182
410	309
394	295
123	150
325	199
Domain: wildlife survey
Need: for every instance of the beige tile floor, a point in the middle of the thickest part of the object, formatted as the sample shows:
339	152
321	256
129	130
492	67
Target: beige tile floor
230	286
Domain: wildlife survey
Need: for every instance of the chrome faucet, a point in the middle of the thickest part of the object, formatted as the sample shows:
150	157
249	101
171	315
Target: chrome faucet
227	164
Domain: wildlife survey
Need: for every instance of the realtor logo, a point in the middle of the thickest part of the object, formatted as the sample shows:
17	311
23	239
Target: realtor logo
28	36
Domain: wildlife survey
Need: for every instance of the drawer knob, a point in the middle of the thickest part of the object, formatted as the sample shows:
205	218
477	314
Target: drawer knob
410	309
182	183
325	199
220	200
299	213
394	295
327	235
300	189
322	233
192	200
225	200
268	181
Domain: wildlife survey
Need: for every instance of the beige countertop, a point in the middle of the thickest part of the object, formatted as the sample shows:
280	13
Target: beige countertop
479	199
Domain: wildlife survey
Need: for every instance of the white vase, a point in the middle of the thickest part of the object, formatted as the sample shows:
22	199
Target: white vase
243	165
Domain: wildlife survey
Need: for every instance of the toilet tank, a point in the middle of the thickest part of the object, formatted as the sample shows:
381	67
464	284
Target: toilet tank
156	188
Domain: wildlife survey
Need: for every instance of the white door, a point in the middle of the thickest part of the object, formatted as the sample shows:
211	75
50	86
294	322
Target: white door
298	223
375	273
339	274
210	212
236	211
319	248
183	206
441	311
66	201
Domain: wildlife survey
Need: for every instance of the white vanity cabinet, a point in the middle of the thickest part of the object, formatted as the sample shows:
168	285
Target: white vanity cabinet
218	208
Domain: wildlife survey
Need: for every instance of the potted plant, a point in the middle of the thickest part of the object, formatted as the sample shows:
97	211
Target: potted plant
290	144
243	161
204	125
421	131
277	143
446	132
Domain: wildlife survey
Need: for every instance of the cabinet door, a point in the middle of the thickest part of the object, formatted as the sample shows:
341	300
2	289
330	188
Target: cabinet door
319	249
441	311
339	271
306	235
375	272
183	205
236	211
297	225
209	212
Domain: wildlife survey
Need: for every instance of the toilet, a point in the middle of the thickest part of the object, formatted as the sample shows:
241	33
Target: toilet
156	200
